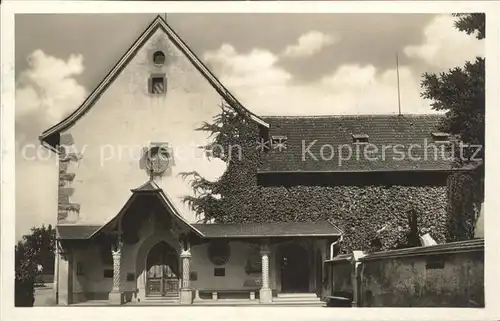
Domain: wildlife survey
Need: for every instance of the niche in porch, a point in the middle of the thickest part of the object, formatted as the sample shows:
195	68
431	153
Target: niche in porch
146	209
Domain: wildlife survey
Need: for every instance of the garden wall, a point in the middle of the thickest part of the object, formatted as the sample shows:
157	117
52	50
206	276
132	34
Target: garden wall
339	275
443	275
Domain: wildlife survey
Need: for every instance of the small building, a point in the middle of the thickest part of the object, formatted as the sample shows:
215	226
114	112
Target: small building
158	254
124	234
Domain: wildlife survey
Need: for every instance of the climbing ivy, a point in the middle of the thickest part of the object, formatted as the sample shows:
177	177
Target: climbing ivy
373	217
464	204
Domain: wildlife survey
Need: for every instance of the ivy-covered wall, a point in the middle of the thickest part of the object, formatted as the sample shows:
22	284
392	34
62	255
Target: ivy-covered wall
360	211
374	216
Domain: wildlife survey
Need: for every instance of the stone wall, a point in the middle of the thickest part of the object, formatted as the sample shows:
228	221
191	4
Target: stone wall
444	275
340	275
67	211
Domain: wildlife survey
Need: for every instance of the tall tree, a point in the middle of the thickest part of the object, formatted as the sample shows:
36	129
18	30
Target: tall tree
460	93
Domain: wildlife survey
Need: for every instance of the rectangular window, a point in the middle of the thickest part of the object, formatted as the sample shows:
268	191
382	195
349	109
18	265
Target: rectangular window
79	268
360	138
193	276
440	137
219	272
130	277
158	84
108	273
278	142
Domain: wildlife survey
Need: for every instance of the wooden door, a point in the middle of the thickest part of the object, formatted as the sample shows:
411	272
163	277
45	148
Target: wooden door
294	269
162	277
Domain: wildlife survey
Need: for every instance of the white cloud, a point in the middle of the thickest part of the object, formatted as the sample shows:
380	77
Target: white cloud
248	70
444	46
48	88
45	93
268	89
309	44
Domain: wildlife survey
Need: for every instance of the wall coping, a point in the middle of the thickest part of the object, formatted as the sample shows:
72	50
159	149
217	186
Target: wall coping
341	257
447	248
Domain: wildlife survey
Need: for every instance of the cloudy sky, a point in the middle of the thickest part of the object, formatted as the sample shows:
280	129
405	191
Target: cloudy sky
276	64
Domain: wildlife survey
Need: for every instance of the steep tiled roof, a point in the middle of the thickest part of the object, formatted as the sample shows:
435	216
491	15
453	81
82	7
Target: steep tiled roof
48	135
338	132
248	230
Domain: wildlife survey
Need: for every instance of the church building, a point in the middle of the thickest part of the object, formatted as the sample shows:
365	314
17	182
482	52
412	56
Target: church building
123	233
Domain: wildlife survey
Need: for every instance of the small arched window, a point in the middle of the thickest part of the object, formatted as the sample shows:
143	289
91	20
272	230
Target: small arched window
159	58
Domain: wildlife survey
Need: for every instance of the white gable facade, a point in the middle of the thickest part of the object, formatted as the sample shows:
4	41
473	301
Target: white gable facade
124	234
111	137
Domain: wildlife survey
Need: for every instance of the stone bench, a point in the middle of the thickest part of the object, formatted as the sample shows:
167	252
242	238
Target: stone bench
250	286
216	292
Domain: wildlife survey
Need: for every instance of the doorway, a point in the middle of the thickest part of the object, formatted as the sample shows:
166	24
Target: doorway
162	266
294	269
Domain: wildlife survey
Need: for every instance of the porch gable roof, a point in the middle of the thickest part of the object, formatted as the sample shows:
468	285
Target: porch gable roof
147	188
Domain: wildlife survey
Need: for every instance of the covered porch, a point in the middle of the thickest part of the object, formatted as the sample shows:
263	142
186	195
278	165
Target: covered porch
148	254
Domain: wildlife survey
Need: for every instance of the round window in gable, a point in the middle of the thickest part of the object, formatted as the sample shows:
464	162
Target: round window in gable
159	58
157	160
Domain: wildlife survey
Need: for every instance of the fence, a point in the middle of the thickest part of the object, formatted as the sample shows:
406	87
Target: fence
444	275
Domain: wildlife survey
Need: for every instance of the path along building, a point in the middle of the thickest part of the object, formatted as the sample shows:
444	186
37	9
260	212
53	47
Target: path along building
125	236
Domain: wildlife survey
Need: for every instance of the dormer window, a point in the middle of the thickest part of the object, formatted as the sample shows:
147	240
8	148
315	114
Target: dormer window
440	137
360	138
278	142
158	84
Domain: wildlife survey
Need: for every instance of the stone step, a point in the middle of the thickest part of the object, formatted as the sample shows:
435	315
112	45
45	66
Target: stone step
162	298
299	303
225	302
297	295
297	298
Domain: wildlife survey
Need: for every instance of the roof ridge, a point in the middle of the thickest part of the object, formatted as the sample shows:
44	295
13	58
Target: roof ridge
77	224
143	187
351	115
285	222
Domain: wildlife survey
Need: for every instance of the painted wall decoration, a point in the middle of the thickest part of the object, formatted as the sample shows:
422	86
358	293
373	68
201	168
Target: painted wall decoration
219	252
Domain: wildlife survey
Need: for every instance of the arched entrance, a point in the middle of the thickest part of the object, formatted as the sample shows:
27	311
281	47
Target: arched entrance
162	271
294	269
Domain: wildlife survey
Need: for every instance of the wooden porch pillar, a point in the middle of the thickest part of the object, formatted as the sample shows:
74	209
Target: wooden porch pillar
265	292
186	294
115	296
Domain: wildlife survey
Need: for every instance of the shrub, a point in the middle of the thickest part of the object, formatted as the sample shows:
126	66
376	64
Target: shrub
34	250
